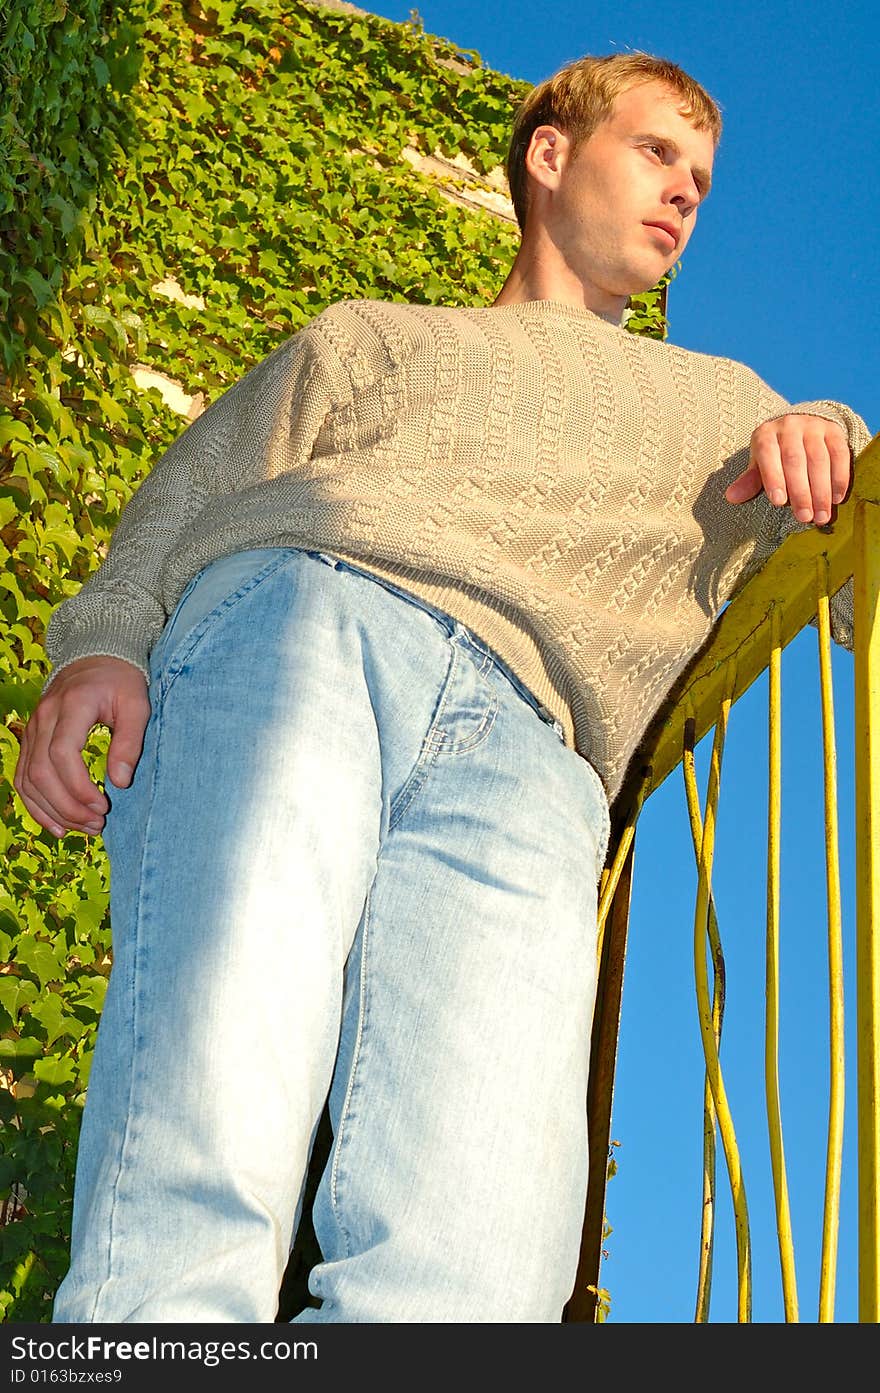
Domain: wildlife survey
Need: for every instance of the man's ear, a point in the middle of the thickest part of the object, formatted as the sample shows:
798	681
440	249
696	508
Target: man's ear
547	154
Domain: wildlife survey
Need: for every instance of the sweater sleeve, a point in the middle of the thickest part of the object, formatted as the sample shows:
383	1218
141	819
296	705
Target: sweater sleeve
264	425
780	522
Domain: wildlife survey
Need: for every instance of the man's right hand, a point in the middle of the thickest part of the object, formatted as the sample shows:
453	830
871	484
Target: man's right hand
51	777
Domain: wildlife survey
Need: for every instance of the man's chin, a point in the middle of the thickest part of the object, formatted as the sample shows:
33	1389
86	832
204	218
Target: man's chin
648	280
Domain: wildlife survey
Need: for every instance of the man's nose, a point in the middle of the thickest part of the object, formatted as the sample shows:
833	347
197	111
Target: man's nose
684	192
686	200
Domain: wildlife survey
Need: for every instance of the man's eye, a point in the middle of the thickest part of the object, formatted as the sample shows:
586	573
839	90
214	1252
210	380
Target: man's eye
658	148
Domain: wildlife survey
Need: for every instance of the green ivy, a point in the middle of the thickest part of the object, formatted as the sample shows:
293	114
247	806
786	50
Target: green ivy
253	153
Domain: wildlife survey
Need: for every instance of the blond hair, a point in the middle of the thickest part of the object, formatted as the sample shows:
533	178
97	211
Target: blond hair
581	95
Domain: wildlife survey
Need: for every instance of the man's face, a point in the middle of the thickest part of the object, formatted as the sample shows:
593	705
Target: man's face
644	169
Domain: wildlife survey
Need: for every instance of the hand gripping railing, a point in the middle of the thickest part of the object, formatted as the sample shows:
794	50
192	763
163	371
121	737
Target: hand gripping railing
790	590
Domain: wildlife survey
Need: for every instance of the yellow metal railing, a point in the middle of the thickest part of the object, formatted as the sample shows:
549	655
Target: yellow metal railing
793	588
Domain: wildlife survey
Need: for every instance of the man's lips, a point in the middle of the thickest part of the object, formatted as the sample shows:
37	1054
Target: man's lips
668	229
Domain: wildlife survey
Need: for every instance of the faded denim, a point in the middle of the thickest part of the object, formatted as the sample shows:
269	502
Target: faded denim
357	859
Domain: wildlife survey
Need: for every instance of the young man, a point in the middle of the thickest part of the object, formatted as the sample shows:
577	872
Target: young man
429	573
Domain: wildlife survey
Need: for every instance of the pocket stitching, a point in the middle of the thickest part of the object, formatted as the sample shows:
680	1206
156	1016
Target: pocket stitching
438	738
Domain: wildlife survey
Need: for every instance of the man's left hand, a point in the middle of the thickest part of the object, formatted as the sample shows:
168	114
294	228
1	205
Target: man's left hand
804	460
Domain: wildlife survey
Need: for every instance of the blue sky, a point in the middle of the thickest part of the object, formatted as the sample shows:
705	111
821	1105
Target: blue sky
781	274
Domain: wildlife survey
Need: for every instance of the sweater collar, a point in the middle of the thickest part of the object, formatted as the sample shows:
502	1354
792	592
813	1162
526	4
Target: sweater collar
557	308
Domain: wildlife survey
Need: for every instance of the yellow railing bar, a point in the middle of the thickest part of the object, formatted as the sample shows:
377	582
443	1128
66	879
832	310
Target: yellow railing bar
704	1008
611	875
834	1155
707	1214
867	726
771	1029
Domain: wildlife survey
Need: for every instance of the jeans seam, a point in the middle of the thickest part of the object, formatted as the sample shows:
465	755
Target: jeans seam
605	835
441	619
413	786
127	1140
349	1090
177	663
428	752
169	625
597	780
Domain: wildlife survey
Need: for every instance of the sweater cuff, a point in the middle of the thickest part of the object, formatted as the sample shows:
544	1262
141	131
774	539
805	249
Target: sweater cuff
105	641
857	432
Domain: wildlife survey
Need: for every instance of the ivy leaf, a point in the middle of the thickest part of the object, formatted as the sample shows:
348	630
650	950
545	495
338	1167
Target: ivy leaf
41	958
26	1048
20	697
66	210
40	288
65	539
55	1019
15	992
92	993
10	919
91	912
55	1071
11	429
101	318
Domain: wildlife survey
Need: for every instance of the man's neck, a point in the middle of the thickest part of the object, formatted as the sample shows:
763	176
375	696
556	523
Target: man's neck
532	278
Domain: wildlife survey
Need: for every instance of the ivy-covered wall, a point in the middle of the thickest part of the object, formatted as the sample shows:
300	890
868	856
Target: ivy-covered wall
180	190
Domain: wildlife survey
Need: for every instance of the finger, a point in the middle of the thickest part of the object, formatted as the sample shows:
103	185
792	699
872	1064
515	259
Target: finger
38	809
38	805
793	460
841	464
768	462
819	472
62	769
129	723
746	486
54	821
54	777
51	807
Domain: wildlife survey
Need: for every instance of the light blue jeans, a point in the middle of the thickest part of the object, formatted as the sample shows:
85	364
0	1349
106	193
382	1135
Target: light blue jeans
356	859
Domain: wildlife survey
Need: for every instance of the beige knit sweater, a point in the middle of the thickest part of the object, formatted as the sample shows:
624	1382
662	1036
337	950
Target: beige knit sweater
550	480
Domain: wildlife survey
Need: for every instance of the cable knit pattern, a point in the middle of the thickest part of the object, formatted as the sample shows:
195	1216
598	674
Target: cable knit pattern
548	479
